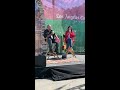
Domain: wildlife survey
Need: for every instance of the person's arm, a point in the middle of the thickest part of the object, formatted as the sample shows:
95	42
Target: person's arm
49	34
72	35
45	34
67	34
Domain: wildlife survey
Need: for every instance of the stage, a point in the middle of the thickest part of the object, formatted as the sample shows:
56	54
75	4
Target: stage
61	69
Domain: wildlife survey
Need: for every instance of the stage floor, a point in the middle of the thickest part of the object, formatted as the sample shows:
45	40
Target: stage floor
80	59
62	69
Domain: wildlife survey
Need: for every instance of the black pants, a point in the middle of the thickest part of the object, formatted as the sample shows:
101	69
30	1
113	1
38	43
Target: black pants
56	49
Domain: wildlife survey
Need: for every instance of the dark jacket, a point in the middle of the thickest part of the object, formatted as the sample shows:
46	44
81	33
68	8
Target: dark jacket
53	40
46	33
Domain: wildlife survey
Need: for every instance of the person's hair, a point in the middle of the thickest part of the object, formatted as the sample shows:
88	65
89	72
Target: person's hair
70	27
48	25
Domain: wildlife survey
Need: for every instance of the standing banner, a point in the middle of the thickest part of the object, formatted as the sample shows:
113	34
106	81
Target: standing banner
40	44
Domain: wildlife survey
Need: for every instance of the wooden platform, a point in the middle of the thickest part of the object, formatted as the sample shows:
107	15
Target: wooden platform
60	61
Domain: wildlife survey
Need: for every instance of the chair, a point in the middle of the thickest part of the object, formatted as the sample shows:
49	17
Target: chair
53	53
69	50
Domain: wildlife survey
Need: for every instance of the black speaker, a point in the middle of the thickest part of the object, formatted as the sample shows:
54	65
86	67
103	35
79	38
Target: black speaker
64	56
40	61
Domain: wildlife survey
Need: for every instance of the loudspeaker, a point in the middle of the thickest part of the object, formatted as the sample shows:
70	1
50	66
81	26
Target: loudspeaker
64	56
40	61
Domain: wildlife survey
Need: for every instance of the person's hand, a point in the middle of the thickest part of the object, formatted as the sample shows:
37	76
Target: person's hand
49	35
68	33
55	35
69	30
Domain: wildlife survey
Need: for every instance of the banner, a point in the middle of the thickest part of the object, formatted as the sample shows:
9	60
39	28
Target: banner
64	9
63	13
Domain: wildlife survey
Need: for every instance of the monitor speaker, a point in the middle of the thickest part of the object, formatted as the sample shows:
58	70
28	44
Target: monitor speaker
40	61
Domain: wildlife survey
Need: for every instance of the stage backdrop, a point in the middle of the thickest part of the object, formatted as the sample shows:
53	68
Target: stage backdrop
62	13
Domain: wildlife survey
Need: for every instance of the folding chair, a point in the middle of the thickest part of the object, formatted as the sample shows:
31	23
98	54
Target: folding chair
69	50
